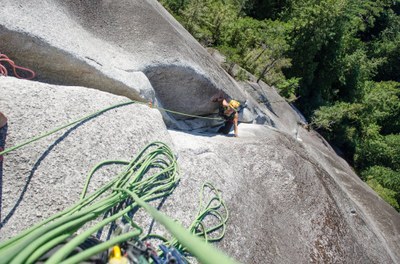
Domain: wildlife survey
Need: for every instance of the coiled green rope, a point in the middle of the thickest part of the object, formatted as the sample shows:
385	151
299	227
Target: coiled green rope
185	239
31	244
150	176
216	213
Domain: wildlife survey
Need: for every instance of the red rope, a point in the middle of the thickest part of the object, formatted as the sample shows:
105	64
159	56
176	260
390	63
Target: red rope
3	70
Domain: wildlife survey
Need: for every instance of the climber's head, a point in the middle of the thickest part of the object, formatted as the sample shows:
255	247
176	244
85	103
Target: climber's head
234	105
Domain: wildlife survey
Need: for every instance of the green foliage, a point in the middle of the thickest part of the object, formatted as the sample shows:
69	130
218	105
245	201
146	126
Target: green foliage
287	88
332	117
388	195
333	50
244	35
315	41
386	182
207	19
379	150
174	6
339	57
259	47
367	130
385	176
266	9
242	76
363	123
356	70
340	124
387	46
382	105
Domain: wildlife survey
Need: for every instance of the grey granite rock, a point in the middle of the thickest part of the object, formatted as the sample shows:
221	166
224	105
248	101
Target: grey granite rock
291	198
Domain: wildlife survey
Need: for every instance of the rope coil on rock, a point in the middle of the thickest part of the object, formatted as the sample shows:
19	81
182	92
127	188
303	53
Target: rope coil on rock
152	174
3	69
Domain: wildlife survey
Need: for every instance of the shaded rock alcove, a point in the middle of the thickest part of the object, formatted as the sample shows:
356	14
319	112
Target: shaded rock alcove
182	89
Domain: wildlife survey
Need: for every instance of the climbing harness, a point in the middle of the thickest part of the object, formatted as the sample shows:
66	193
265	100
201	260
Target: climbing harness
221	112
3	69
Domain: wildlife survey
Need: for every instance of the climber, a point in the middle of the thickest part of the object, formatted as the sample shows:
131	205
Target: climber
229	112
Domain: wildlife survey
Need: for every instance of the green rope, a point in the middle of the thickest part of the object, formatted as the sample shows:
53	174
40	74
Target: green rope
152	174
183	114
31	244
153	186
62	127
198	227
6	151
205	253
177	112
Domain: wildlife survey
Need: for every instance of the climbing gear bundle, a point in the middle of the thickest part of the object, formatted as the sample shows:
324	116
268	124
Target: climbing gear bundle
31	244
151	175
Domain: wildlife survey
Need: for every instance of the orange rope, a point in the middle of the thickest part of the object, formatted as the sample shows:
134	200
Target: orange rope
3	69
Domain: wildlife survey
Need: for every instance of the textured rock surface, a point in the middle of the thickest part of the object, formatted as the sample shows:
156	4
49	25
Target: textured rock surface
289	201
44	178
305	203
108	45
291	198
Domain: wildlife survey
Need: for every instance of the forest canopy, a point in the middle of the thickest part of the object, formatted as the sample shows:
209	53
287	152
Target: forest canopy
339	58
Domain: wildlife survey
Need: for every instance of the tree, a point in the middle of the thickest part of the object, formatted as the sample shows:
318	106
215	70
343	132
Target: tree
266	9
379	151
386	182
260	47
315	42
386	44
388	195
205	20
330	51
174	6
341	57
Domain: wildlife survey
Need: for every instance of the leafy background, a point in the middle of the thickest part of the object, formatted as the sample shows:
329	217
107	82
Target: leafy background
337	60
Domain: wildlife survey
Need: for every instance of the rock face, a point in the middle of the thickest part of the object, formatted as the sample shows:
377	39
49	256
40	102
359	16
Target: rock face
291	198
105	45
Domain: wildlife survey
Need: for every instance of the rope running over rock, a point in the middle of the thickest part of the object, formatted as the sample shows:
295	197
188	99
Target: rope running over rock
151	175
88	117
28	246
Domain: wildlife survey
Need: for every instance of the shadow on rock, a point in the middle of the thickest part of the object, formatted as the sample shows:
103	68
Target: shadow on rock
35	167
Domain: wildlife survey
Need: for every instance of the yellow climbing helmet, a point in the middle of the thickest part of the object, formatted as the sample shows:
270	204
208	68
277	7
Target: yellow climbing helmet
234	105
